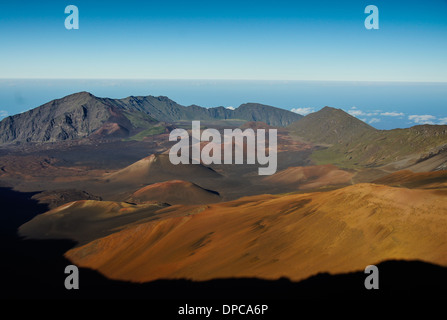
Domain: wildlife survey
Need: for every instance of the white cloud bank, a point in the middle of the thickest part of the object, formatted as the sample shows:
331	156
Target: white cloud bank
303	111
422	119
392	114
356	112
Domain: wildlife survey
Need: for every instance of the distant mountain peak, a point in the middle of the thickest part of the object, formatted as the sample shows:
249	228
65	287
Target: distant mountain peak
79	94
254	105
80	114
330	125
330	109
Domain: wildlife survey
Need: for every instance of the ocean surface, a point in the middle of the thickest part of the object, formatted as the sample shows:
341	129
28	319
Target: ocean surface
384	105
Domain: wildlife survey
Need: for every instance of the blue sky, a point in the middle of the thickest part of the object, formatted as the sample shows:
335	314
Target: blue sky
269	40
384	105
314	53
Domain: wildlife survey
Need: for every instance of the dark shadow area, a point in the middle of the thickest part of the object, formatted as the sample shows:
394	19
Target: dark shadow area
35	269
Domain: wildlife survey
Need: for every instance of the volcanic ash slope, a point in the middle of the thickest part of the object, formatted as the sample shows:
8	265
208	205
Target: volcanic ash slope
267	236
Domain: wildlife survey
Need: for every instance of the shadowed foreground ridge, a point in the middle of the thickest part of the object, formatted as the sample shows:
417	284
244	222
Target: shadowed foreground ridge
35	268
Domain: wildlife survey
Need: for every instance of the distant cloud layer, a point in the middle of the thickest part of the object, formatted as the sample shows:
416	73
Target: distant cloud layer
3	113
356	112
303	111
374	116
422	119
392	114
427	119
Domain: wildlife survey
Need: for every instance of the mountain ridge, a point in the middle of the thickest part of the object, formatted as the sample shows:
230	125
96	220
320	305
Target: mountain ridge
330	126
81	114
349	142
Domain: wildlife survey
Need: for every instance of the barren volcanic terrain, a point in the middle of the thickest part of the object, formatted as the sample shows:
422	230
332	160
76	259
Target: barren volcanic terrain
293	236
344	195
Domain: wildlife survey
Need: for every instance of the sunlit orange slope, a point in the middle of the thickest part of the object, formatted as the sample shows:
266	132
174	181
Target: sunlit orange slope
268	236
156	168
311	177
175	192
409	179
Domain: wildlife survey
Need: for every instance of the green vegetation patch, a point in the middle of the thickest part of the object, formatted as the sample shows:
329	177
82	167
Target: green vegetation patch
140	119
147	133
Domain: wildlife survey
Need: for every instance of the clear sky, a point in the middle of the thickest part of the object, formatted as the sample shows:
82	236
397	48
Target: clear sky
270	40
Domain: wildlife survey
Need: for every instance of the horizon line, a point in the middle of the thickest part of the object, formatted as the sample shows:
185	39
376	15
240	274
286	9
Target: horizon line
218	79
